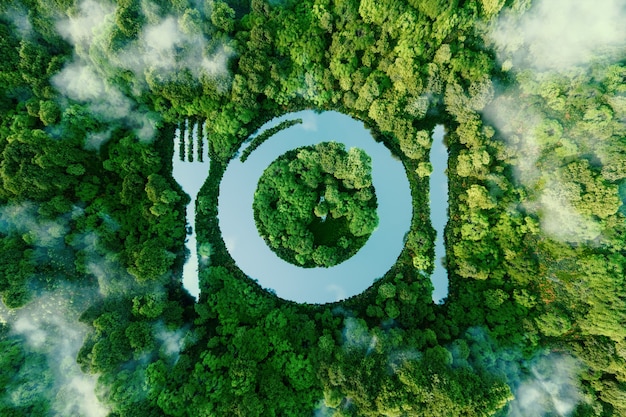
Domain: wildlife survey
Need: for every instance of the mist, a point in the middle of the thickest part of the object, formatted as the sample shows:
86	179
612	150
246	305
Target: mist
172	45
85	80
23	218
80	29
551	197
172	342
560	220
164	50
49	326
558	34
18	15
545	385
356	335
94	141
80	81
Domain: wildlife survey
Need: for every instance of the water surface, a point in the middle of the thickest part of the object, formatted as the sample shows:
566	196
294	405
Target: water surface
439	211
319	285
315	285
190	176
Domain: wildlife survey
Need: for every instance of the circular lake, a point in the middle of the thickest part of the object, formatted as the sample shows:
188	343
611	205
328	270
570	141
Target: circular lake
315	285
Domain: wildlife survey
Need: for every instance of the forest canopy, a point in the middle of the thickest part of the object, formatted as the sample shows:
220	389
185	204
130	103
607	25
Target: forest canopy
316	205
94	319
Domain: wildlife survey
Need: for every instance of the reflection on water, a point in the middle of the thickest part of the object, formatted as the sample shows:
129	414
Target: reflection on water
439	211
317	285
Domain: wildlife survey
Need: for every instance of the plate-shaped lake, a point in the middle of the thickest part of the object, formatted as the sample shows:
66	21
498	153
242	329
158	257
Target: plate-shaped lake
315	285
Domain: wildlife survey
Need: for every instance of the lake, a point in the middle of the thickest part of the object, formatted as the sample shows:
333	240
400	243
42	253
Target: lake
321	285
439	211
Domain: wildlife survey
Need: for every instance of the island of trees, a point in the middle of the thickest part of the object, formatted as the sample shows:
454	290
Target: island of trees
316	206
90	100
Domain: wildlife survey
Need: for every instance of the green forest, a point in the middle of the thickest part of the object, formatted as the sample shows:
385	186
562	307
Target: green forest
94	320
316	206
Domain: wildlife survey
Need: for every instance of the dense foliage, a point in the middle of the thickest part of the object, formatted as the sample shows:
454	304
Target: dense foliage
90	94
316	205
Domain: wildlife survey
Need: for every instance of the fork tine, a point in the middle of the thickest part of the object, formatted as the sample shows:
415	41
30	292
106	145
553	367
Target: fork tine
181	141
205	142
189	140
199	141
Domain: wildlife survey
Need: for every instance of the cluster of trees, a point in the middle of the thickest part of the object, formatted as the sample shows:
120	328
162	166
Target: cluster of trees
88	201
265	135
537	225
316	205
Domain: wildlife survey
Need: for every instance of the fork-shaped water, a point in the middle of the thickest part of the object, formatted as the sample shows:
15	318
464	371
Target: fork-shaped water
190	173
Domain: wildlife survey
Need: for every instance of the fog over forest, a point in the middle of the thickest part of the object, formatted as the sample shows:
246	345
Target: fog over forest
94	317
566	40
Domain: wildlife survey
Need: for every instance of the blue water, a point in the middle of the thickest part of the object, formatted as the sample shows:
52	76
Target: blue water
439	211
315	285
319	285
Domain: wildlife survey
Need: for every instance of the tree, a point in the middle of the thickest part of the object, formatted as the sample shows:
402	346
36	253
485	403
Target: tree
473	163
304	216
140	336
49	112
151	260
491	7
387	290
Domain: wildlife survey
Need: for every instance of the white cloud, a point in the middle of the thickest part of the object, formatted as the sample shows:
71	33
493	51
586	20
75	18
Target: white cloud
77	397
111	277
553	36
397	360
144	124
155	49
557	34
23	218
35	336
356	334
172	341
79	81
323	411
547	385
550	198
50	326
561	220
550	389
81	28
165	48
95	140
517	124
19	17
